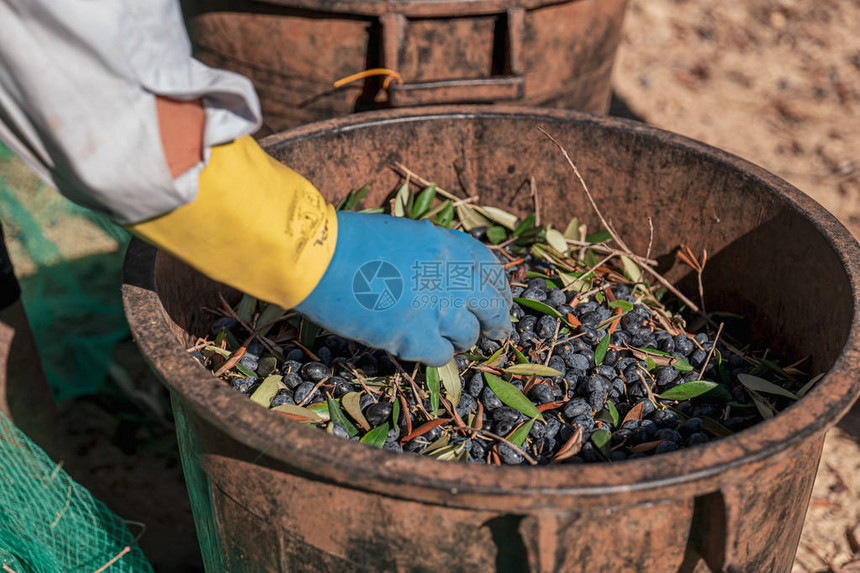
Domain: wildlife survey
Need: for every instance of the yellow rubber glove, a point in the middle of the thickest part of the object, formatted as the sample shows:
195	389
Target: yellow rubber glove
255	225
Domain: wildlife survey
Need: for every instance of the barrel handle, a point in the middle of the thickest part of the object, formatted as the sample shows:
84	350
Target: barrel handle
473	90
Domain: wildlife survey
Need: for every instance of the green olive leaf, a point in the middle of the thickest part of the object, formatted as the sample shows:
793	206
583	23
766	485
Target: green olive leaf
446	216
624	305
338	417
806	387
401	201
492	360
602	440
762	385
714	427
266	391
603	415
450	377
395	412
613	412
437	210
541	307
695	388
524	225
511	396
532	369
308	333
602	349
298	411
438	444
500	216
351	402
350	202
520	434
376	437
245	309
764	408
217	350
572	230
598	237
573	283
496	234
469	218
245	370
521	358
556	241
631	271
431	376
321	410
423	202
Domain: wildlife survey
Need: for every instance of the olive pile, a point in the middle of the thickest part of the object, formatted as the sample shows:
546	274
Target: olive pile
597	367
613	384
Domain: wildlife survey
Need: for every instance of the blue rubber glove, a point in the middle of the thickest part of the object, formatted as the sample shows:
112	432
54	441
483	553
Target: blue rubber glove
412	288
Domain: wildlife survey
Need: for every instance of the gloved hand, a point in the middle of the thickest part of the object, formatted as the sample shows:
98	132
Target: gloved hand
262	228
415	289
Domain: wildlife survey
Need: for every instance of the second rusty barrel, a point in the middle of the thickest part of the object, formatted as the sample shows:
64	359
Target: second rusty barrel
551	53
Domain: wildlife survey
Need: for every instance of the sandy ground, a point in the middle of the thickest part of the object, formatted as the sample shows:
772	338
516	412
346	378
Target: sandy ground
776	82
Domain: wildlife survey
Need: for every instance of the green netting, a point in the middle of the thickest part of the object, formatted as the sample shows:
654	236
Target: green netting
72	300
49	523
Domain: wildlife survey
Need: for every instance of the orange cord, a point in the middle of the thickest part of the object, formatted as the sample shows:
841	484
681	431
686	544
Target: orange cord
391	75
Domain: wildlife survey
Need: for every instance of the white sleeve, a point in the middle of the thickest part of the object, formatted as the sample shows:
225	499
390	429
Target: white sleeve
78	80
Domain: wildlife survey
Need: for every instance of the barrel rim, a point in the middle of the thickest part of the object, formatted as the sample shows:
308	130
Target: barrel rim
419	8
379	471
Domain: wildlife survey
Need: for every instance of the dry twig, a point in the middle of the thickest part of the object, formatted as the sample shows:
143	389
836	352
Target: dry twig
594	206
536	199
711	352
406	172
686	255
501	440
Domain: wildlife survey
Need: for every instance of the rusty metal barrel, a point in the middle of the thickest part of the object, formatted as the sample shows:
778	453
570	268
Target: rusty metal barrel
554	53
270	494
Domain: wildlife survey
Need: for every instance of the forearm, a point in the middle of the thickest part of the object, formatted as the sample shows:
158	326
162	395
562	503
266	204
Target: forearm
255	224
181	125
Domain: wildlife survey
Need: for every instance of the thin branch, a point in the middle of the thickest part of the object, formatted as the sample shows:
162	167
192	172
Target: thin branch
500	439
414	386
116	558
650	237
553	343
232	314
361	381
594	206
602	248
465	201
406	172
589	271
583	233
536	199
711	352
313	391
668	285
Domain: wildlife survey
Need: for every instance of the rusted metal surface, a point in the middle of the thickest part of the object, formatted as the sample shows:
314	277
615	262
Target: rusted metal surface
280	496
528	52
